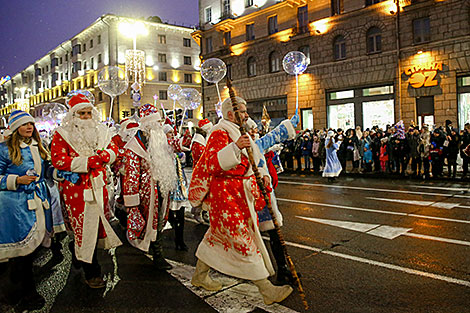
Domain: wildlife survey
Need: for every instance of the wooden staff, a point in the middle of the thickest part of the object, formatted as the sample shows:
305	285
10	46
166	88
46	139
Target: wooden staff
259	181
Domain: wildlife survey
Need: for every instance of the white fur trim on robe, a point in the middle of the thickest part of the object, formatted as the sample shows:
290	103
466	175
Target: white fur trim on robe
79	165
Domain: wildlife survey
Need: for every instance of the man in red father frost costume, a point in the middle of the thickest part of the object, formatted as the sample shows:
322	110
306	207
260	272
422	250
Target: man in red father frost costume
199	139
83	145
223	182
149	177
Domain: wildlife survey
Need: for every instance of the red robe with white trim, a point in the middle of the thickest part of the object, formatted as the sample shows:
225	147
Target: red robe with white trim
197	147
229	192
84	202
140	193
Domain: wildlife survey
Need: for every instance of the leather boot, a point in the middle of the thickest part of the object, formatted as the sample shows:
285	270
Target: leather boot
202	279
156	250
272	293
179	230
284	276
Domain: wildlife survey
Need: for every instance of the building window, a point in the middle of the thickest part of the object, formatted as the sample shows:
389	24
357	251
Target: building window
162	39
76	67
463	90
209	47
99	58
226	7
186	42
76	50
371	2
248	3
162	57
250	31
84	65
302	19
421	30
47	68
306	51
92	63
251	67
337	7
274	62
91	43
187	60
84	47
54	62
374	40
208	15
188	78
272	25
339	48
66	57
99	39
60	60
163	95
162	76
366	107
228	38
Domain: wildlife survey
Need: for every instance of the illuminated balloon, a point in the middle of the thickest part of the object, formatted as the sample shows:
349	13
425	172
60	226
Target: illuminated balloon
213	70
189	98
112	81
295	63
173	91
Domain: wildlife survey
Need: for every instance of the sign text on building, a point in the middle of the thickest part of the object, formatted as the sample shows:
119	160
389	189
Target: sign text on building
423	75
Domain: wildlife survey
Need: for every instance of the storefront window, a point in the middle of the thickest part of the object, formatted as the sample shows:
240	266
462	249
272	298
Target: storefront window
341	116
377	113
464	101
365	107
307	119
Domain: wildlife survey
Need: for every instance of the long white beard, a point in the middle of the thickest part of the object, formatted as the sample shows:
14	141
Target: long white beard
86	136
161	164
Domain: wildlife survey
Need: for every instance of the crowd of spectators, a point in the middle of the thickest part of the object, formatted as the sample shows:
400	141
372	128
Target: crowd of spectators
416	152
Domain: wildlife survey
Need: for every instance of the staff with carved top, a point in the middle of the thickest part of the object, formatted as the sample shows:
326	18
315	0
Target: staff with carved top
261	185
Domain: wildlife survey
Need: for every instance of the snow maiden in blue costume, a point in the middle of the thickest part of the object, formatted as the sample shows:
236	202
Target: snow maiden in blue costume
25	216
333	166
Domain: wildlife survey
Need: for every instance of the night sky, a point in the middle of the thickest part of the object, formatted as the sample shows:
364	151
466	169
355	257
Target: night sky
31	28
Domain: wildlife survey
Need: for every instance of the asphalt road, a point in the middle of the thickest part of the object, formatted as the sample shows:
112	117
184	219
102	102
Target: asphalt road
361	245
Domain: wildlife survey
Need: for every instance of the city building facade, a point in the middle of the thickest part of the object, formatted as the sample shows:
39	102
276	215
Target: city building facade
171	56
372	62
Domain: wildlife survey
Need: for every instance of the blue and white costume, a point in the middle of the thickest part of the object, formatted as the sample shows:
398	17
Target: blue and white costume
333	166
283	132
25	215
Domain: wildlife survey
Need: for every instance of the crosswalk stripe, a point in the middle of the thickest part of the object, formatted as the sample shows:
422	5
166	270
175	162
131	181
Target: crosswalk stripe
374	211
373	189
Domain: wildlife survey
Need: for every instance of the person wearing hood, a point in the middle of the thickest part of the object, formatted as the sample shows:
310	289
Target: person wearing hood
149	177
25	214
223	182
83	145
333	166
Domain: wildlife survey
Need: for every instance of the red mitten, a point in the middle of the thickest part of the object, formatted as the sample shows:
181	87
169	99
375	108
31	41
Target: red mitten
95	162
104	155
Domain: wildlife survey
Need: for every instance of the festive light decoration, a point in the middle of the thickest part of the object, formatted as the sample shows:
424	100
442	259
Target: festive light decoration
135	65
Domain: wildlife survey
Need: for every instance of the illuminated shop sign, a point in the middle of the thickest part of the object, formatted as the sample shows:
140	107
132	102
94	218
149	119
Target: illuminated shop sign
423	75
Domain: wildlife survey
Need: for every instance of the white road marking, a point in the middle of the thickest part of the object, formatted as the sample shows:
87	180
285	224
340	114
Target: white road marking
378	230
236	295
374	211
441	188
441	205
374	189
382	264
383	231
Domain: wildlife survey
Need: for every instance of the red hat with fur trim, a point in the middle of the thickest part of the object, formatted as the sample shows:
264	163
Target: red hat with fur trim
148	113
79	102
205	125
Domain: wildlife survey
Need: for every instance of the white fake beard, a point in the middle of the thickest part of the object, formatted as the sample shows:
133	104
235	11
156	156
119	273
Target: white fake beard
85	135
161	162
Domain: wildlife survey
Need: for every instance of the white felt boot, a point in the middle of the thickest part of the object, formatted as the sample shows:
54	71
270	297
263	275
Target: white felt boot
201	278
272	293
